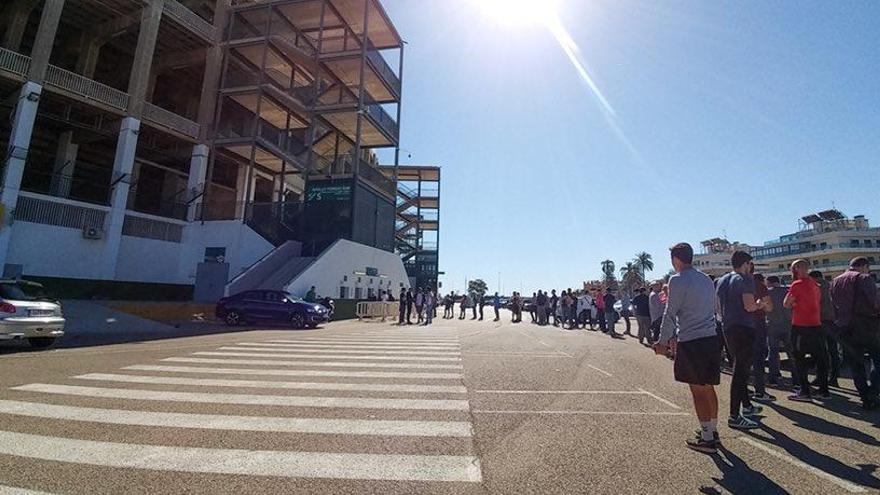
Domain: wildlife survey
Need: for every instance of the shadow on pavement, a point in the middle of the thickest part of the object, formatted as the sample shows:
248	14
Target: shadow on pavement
739	478
819	425
862	474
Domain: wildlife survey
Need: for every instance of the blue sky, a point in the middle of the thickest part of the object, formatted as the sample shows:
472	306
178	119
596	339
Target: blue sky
740	117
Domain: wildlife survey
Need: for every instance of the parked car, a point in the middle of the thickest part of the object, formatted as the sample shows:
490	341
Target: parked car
270	306
27	313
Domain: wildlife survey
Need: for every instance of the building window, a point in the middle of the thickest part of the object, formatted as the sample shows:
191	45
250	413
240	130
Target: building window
371	281
371	293
359	280
343	292
871	260
853	243
815	262
867	242
358	293
345	278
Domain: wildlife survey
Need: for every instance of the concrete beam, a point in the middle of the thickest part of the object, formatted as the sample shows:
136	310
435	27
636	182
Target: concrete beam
87	58
116	27
213	72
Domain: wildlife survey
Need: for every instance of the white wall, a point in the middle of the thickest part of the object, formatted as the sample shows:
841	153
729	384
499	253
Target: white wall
52	251
244	247
344	258
149	260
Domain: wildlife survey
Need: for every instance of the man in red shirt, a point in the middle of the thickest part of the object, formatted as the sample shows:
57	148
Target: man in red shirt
804	300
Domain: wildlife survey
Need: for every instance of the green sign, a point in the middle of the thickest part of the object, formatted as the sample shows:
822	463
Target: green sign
329	192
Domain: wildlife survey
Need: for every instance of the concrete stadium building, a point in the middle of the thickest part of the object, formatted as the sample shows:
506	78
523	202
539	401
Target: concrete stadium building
170	145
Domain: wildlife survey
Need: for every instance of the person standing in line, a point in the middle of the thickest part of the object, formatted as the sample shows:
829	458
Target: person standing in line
778	330
496	305
804	298
826	312
482	302
473	302
430	302
625	312
450	305
600	310
409	306
584	307
857	322
420	304
541	305
762	294
738	305
656	306
311	296
642	309
516	308
533	310
554	305
609	301
462	307
688	327
402	307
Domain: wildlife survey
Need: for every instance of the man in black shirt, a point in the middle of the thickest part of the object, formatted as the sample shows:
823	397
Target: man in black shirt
609	300
554	303
643	315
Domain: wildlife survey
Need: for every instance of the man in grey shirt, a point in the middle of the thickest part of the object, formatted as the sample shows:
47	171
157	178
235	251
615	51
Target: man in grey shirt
689	328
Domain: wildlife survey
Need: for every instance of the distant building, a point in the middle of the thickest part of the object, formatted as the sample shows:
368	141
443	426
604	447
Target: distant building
714	256
827	240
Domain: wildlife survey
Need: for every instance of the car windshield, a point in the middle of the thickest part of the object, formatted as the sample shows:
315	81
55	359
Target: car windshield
22	292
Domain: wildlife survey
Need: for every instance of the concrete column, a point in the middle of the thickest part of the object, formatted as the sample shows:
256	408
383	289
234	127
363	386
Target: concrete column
195	185
277	189
18	13
142	64
45	40
65	163
89	51
241	191
123	164
19	142
132	187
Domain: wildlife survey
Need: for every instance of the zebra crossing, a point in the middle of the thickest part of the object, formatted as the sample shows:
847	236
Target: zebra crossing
376	387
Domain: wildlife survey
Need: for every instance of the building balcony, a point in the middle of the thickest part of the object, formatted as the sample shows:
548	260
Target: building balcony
188	19
782	252
380	81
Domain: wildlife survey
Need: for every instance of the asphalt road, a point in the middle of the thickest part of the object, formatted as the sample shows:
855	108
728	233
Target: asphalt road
457	408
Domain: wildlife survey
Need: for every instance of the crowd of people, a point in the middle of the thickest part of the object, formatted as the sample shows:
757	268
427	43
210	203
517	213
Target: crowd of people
743	321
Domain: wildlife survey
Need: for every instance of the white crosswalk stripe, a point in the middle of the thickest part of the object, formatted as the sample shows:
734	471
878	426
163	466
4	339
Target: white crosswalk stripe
295	354
250	462
282	372
418	376
208	382
334	364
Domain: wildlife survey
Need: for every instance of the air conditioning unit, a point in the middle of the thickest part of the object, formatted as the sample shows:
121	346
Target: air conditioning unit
93	232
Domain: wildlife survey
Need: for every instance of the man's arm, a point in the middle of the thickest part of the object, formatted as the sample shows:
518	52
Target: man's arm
673	306
750	303
869	290
789	300
768	303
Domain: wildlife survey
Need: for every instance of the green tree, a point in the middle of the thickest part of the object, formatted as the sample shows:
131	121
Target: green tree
631	277
608	268
477	287
645	263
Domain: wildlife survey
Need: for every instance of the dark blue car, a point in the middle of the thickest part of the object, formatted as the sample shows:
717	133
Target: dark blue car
270	306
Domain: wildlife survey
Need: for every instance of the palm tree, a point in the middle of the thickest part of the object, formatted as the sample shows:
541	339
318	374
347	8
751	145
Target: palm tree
608	270
631	275
645	263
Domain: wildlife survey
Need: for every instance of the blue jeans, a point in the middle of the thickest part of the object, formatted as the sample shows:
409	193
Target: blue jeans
760	355
609	320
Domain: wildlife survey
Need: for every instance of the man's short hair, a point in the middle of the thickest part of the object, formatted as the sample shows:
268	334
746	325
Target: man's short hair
800	262
816	274
740	258
758	277
684	252
773	279
859	262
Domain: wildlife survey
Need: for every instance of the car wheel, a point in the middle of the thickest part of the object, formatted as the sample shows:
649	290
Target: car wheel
41	342
232	318
297	321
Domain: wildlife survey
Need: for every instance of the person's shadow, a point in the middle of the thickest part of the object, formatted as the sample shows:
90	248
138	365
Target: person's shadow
862	474
738	477
825	427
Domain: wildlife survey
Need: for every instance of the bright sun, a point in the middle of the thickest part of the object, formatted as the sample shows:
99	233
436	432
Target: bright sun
521	12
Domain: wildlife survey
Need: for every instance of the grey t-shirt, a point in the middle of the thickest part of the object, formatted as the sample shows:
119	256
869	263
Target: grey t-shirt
730	290
690	308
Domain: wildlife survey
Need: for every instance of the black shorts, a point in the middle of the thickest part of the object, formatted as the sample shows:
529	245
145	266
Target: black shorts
698	362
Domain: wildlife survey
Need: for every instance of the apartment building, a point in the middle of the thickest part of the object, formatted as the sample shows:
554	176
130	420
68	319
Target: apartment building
146	138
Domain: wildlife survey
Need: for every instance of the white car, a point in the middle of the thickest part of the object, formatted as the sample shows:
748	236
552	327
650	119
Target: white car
25	314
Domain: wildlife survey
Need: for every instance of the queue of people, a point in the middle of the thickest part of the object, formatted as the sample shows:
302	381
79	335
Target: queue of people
745	321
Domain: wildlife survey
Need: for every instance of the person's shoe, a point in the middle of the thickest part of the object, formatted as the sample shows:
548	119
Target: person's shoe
824	396
704	446
699	434
753	411
800	398
833	383
742	423
765	398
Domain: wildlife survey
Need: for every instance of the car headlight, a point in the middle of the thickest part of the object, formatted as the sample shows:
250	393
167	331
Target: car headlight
310	309
58	312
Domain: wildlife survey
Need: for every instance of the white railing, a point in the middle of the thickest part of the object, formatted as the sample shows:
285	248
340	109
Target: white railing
190	20
171	120
87	88
377	310
14	62
151	228
62	214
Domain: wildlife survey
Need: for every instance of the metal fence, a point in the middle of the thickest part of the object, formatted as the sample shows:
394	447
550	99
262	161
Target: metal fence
48	212
87	88
189	19
171	120
150	228
380	309
14	62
